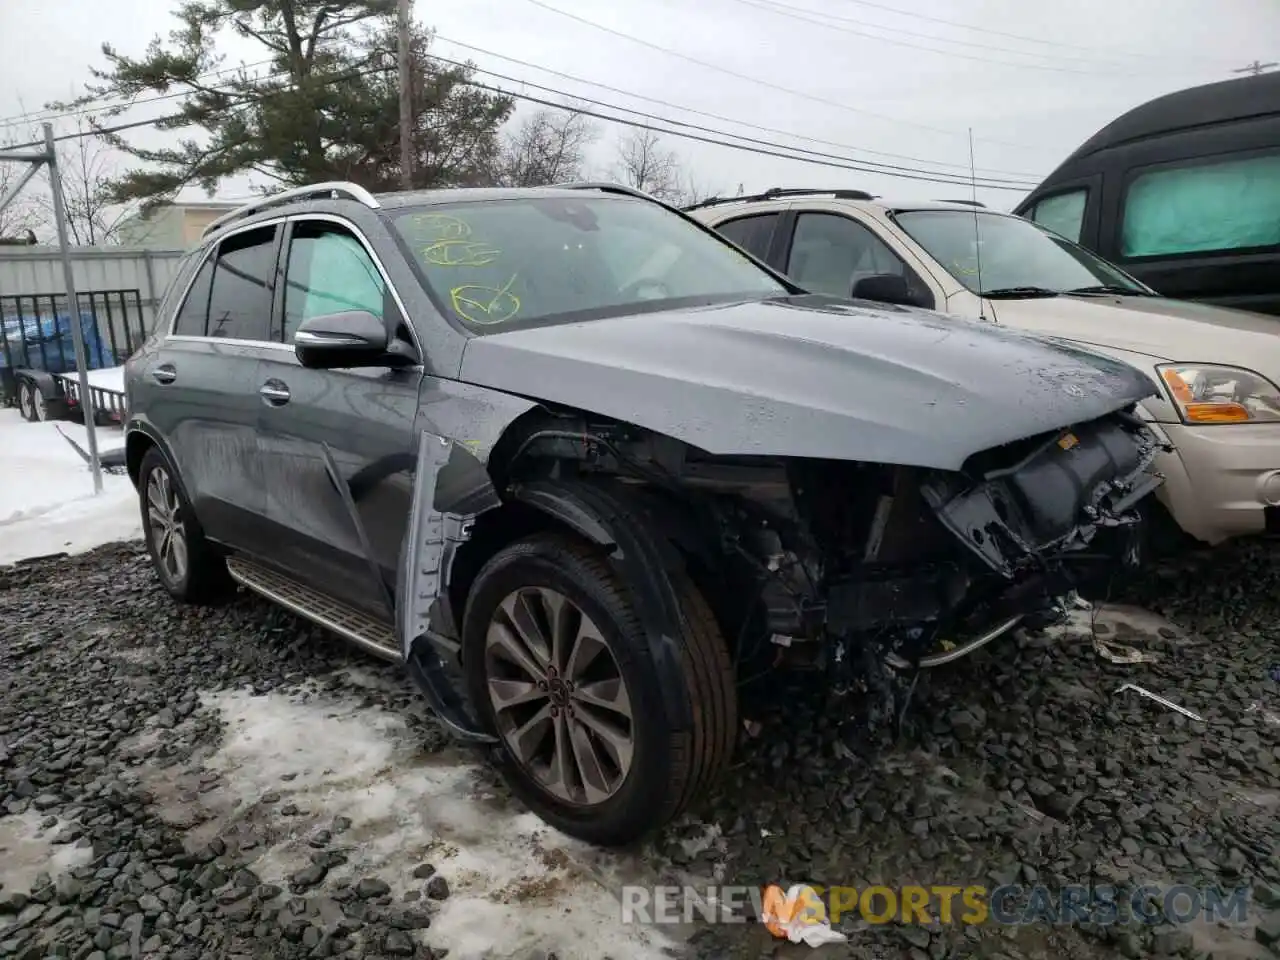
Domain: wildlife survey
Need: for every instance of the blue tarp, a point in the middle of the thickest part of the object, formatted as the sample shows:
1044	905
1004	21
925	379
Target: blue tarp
46	343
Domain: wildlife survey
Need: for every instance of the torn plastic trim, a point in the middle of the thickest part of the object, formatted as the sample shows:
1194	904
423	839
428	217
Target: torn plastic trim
642	560
431	540
981	515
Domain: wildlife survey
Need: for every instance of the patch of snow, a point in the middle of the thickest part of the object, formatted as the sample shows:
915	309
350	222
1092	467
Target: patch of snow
516	885
27	850
47	503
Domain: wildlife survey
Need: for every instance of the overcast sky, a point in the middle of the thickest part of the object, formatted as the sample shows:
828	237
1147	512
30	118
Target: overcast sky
876	84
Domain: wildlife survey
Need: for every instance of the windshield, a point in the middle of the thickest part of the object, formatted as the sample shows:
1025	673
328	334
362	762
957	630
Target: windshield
502	264
1016	253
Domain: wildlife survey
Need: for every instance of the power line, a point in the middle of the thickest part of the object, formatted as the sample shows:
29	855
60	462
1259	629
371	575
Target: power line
88	106
86	110
732	146
867	166
758	80
1024	37
721	117
778	150
807	16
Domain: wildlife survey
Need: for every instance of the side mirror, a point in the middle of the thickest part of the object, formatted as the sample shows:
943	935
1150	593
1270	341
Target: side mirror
885	288
353	338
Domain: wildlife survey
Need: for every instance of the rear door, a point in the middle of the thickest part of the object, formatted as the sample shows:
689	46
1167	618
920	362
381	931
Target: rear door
338	447
198	391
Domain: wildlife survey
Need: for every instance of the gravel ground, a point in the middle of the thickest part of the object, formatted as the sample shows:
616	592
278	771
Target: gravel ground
229	783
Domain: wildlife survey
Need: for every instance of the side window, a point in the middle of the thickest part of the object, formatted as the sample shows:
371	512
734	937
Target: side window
1062	213
831	253
194	312
240	301
1225	205
752	233
329	271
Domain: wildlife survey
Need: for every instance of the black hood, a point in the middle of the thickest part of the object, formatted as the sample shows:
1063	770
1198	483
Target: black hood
811	377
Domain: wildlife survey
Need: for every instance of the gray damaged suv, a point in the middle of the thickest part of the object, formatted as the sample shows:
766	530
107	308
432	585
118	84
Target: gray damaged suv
580	464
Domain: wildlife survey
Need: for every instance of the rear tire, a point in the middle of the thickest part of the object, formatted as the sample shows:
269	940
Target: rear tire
30	401
185	562
665	767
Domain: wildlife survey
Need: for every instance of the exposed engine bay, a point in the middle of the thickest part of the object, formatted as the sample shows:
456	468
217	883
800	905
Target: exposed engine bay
851	567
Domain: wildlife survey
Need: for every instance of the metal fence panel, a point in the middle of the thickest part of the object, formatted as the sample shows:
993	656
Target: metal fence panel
35	331
37	270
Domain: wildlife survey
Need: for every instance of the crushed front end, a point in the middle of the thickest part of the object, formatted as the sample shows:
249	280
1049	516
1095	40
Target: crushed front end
895	568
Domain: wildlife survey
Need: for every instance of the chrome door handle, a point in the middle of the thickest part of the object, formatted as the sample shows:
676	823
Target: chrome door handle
165	374
274	392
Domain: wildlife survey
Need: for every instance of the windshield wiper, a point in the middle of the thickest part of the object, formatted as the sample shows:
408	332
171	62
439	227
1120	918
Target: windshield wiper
1113	288
1015	293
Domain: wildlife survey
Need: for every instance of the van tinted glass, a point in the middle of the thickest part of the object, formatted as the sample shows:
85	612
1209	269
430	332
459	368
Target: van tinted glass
1063	213
1227	205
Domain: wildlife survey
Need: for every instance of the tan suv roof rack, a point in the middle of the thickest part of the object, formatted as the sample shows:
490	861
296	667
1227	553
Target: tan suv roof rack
775	193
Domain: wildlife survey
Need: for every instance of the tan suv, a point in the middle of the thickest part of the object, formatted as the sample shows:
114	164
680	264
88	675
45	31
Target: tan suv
1218	368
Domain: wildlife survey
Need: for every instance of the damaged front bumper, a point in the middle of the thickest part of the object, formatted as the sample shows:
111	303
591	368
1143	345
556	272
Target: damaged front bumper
1060	517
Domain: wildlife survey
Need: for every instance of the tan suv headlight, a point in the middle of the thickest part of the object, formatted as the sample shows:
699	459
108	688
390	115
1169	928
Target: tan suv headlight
1210	393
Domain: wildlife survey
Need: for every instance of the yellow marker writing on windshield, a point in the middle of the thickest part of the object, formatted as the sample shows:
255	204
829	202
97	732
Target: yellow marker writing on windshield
481	304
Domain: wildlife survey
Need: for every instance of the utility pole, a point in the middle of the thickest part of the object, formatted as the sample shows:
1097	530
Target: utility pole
406	98
1256	67
50	159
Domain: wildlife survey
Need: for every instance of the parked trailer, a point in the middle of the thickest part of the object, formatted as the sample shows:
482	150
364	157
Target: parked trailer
38	371
106	393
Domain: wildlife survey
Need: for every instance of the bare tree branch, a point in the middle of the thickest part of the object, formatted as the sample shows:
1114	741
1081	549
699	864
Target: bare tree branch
548	146
644	163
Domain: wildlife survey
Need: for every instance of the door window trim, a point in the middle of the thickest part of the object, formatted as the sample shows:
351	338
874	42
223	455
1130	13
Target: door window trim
363	240
212	251
1134	173
783	251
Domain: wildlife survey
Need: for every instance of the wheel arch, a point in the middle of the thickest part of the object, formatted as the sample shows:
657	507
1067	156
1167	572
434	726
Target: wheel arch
138	439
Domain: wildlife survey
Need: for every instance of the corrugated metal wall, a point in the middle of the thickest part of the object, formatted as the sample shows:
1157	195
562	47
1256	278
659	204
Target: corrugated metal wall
37	270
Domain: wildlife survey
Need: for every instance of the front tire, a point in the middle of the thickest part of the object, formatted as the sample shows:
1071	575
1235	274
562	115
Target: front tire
185	562
558	668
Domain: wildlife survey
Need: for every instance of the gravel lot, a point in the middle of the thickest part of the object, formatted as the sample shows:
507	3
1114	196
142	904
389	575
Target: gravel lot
232	783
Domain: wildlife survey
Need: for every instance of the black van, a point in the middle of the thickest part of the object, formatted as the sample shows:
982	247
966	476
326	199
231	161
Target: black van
1183	192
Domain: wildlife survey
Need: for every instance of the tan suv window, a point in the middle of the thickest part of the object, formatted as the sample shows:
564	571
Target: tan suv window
831	253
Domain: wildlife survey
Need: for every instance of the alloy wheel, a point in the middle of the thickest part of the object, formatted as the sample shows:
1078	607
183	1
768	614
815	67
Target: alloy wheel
167	531
557	691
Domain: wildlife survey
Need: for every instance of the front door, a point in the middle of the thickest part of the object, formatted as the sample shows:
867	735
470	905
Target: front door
201	381
338	446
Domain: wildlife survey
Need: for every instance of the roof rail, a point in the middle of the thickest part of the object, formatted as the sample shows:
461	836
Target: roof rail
967	203
333	189
776	193
606	186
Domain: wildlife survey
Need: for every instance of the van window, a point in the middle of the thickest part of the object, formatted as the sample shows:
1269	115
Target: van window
1062	213
1228	205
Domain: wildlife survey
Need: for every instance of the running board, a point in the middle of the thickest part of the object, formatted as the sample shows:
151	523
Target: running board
358	628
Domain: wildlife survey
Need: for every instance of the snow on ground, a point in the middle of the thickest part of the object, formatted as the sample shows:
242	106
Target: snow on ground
28	848
289	763
47	503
